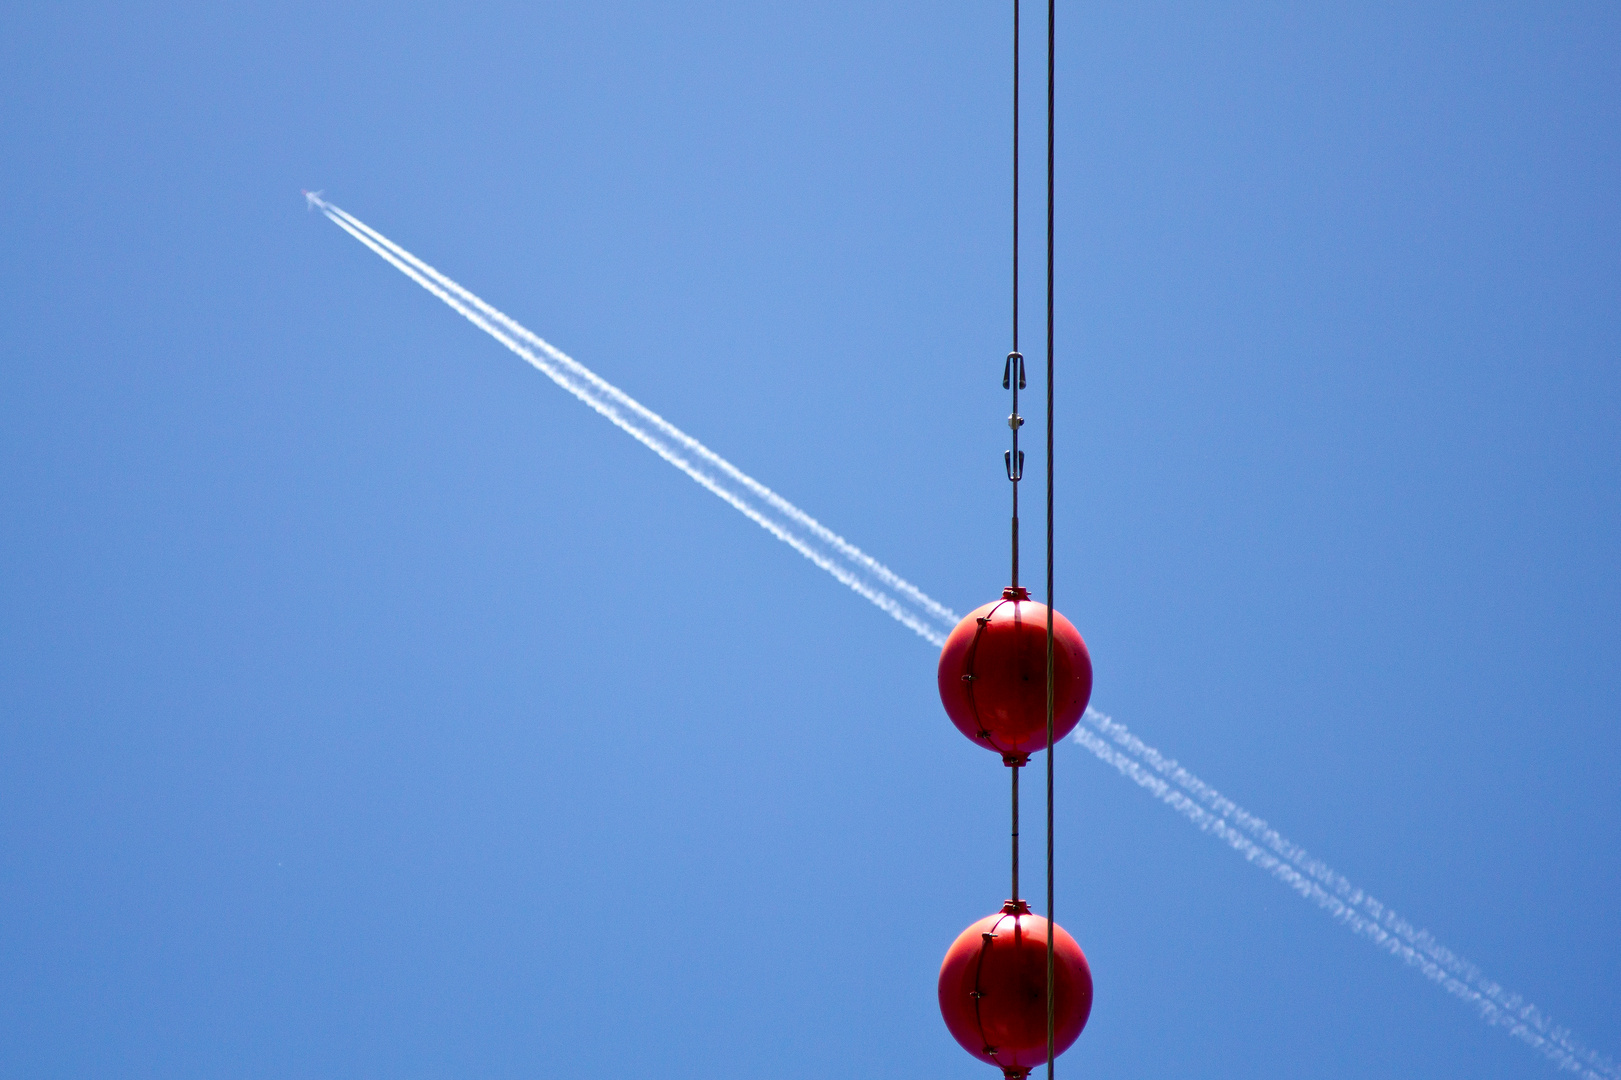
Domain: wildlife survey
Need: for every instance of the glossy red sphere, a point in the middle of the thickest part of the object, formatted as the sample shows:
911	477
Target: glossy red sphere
993	989
993	676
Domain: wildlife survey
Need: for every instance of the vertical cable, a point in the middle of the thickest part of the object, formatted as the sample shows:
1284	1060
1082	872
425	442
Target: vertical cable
1015	183
1015	370
1015	771
1052	923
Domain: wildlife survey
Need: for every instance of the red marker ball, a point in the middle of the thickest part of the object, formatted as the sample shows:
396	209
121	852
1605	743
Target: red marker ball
993	676
993	989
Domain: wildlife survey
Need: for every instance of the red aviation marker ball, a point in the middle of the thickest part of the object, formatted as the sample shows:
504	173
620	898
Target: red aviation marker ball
993	676
993	989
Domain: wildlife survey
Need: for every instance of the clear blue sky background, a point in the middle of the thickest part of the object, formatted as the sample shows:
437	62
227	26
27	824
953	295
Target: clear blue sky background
373	709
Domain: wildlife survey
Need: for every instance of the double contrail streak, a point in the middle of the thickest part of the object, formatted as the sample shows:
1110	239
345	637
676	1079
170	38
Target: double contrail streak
870	578
1164	778
1260	844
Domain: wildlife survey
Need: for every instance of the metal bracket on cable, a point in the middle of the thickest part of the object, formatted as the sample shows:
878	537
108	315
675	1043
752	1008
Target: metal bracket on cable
1014	459
1007	371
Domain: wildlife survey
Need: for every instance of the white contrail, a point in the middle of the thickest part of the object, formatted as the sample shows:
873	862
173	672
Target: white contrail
1173	785
1314	880
849	564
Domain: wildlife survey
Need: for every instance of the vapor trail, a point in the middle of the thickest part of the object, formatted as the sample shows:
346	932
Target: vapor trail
853	567
1111	742
1316	881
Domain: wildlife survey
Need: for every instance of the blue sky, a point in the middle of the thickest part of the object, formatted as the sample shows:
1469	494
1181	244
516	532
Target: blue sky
372	708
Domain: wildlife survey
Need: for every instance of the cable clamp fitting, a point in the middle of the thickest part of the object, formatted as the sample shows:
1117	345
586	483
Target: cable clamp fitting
1014	466
1007	370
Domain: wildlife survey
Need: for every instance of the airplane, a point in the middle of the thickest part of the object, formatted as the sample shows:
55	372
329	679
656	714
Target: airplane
312	199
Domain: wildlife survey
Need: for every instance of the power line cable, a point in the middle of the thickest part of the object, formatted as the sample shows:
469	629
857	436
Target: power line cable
1052	923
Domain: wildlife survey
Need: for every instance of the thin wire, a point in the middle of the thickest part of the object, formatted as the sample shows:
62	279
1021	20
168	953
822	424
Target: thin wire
1052	923
1015	362
1015	771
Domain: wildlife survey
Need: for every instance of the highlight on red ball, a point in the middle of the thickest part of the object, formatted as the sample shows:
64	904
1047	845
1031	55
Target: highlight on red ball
993	676
993	989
